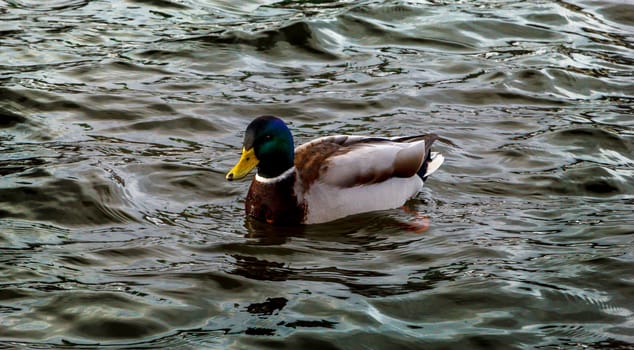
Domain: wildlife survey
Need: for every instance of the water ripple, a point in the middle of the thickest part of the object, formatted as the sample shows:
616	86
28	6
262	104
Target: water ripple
118	121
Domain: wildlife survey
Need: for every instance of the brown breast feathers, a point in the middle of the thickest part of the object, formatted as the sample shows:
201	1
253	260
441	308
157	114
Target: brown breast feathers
275	203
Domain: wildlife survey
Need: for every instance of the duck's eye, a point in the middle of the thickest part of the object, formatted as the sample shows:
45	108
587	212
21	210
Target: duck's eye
267	137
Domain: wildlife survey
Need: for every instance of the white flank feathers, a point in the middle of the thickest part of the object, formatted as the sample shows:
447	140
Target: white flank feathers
327	202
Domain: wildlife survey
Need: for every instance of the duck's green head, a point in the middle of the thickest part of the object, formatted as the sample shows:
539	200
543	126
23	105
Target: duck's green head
268	144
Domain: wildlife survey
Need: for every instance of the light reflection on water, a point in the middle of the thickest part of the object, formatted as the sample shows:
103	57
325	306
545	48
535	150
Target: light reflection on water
118	121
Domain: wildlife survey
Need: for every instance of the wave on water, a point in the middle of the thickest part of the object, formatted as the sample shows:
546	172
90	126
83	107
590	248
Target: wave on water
119	120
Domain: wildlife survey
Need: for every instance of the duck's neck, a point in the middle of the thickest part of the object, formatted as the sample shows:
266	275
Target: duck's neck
272	168
278	178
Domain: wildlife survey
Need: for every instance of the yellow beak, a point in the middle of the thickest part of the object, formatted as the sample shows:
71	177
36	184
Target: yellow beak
247	162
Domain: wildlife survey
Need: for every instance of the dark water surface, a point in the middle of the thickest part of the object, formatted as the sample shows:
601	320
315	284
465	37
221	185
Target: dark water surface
119	119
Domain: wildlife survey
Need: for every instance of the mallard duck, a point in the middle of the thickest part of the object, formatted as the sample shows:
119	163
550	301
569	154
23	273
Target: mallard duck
330	177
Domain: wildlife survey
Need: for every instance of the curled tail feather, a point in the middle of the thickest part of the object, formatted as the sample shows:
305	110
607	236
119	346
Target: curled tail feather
433	161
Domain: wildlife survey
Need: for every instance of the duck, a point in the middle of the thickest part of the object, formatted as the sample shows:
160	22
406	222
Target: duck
330	177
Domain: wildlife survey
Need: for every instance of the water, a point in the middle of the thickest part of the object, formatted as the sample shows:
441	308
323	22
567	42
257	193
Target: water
119	119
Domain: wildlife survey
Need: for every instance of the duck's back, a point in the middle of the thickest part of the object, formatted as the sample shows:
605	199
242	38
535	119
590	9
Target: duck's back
343	175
